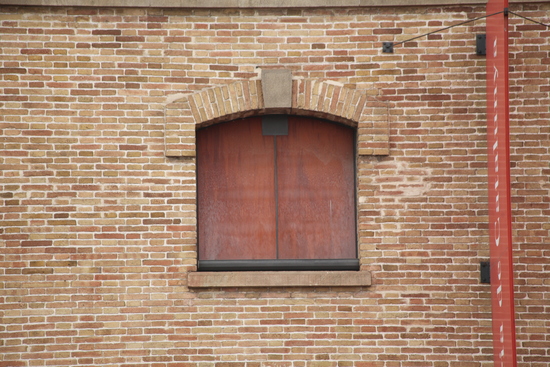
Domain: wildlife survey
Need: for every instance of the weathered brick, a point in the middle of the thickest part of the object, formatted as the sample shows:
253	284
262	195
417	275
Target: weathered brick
98	213
36	243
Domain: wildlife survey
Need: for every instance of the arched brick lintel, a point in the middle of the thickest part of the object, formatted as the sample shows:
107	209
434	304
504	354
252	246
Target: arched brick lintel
322	99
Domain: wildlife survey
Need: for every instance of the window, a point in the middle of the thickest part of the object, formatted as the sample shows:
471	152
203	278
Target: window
276	192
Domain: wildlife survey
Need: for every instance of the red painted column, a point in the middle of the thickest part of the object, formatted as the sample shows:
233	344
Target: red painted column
500	216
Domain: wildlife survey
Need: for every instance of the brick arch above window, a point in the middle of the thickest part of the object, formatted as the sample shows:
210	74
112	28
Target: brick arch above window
316	98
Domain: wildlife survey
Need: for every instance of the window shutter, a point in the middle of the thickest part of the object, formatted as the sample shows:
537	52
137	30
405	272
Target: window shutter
236	204
285	195
316	191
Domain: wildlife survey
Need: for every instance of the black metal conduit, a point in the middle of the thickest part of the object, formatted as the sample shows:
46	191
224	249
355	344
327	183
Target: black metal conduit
387	47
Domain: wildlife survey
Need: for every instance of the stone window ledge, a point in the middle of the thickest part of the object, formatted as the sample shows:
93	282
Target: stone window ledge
238	279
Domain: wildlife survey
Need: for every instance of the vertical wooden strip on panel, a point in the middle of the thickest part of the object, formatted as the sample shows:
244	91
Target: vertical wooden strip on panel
235	179
316	181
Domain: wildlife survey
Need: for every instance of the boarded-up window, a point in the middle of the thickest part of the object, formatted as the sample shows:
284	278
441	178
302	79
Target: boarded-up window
276	192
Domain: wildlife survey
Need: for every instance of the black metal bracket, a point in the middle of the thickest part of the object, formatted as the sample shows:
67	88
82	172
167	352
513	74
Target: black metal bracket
481	44
485	272
387	47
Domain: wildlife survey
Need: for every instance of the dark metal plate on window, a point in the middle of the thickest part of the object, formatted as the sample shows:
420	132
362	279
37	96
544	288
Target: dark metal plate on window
279	265
275	125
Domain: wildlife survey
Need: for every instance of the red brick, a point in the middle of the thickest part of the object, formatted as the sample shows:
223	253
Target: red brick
99	227
36	243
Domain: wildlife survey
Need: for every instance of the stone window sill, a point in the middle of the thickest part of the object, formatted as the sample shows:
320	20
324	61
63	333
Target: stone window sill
236	279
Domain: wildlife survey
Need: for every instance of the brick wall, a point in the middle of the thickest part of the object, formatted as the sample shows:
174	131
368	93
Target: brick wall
98	222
